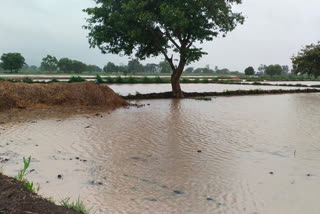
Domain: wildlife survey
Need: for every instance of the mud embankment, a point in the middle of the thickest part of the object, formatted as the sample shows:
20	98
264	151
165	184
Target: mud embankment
39	96
15	198
168	95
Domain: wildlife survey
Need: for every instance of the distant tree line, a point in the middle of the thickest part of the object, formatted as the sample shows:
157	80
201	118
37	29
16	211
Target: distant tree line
307	62
270	70
14	62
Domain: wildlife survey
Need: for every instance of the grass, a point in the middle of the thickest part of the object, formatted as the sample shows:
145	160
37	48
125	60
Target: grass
21	176
203	98
78	205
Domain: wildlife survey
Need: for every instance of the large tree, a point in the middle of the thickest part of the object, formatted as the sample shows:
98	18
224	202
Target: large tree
149	28
308	60
12	61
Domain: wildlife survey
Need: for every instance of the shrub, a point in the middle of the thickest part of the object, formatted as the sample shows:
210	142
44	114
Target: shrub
99	79
76	79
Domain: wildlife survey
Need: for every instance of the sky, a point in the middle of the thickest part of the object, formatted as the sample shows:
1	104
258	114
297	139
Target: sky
273	32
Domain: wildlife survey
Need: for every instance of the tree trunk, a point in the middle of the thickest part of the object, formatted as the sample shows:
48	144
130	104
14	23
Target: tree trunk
175	83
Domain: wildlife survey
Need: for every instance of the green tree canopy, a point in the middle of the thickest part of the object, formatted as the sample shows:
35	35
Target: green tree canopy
164	67
307	61
65	65
189	70
49	63
149	28
249	71
134	66
273	70
94	68
78	67
12	61
150	68
110	68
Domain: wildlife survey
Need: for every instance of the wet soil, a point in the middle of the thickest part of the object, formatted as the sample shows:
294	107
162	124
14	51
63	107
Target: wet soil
169	95
15	198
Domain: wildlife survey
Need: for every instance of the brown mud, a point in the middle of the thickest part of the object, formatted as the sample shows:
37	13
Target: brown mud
169	95
15	198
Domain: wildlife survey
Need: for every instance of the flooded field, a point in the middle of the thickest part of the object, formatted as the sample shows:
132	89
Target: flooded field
251	155
125	89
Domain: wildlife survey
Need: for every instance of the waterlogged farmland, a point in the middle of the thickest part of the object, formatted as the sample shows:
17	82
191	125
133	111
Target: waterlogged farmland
252	154
125	89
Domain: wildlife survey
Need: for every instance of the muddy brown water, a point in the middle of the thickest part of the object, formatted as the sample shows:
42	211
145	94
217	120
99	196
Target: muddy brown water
259	154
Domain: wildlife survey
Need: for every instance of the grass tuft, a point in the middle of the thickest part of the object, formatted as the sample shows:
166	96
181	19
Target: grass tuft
21	176
78	205
203	98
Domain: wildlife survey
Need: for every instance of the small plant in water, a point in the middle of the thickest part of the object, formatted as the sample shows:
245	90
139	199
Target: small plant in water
22	173
77	206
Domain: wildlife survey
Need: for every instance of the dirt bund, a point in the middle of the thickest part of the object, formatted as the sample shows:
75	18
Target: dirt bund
15	198
38	96
169	95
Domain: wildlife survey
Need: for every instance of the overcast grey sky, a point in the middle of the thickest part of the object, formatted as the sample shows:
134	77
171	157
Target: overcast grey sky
273	32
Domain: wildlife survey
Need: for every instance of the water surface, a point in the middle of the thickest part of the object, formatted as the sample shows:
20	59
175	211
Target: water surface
259	154
125	89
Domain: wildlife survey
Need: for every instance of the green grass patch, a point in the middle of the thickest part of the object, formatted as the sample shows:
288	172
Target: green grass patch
78	205
76	79
203	98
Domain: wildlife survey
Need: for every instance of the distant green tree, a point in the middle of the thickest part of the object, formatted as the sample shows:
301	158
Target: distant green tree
25	67
150	68
273	70
49	63
134	66
33	67
262	69
307	61
65	65
285	69
12	61
198	70
149	28
249	71
189	70
164	67
94	68
123	69
110	68
223	71
78	67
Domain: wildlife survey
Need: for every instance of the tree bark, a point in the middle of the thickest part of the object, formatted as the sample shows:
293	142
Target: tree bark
175	83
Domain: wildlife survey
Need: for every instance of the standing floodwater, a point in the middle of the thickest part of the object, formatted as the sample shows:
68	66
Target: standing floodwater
254	154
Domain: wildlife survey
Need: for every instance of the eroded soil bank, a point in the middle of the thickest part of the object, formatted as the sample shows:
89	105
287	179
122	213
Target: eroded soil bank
15	198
